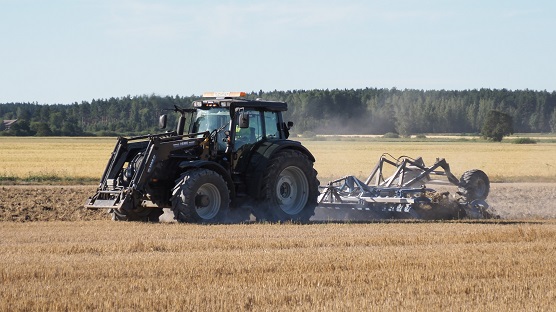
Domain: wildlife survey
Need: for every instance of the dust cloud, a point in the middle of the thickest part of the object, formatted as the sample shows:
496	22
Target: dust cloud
354	125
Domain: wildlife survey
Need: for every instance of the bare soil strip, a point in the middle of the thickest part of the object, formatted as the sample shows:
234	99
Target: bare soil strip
22	203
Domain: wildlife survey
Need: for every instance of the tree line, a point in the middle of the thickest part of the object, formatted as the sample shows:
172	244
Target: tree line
347	111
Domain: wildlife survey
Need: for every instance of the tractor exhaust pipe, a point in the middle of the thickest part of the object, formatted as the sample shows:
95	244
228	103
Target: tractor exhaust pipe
181	125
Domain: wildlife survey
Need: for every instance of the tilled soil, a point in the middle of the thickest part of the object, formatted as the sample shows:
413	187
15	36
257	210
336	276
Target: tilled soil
23	203
524	200
47	203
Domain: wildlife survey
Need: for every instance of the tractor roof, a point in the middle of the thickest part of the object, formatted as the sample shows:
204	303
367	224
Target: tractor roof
236	99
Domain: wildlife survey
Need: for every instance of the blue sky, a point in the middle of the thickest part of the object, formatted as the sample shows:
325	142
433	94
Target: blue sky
69	51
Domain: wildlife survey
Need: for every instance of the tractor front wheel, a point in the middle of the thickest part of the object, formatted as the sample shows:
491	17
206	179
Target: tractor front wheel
200	196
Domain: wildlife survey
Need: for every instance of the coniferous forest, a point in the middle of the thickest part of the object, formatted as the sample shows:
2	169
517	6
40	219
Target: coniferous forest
348	111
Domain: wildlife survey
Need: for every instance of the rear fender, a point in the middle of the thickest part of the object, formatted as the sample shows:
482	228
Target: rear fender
260	157
205	164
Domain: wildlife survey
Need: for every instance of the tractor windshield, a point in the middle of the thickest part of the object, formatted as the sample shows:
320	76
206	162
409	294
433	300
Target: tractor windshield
210	119
213	119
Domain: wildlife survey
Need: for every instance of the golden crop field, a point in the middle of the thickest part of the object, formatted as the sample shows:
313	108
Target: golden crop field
103	265
60	156
501	161
87	157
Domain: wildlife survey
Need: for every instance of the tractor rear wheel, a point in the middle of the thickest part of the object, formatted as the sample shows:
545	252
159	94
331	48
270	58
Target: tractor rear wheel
200	196
474	184
290	188
138	214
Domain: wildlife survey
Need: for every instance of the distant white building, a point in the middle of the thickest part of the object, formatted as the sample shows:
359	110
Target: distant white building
7	124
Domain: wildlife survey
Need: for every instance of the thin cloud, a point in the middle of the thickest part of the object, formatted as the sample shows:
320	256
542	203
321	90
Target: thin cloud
519	13
147	20
239	20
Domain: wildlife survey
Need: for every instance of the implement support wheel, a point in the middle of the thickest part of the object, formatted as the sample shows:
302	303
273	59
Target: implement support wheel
474	184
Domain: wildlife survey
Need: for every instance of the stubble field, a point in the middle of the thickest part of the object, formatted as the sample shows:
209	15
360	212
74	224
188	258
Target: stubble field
78	260
101	265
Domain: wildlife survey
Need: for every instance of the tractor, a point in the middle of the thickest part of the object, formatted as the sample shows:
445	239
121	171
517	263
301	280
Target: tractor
227	153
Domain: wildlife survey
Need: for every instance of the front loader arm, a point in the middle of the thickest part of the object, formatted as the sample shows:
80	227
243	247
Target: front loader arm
155	150
123	152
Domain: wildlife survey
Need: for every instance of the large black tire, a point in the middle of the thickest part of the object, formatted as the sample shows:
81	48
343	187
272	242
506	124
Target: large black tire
200	196
138	214
474	184
289	189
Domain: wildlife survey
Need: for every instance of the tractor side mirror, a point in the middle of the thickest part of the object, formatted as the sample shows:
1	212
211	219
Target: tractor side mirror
162	121
290	124
244	120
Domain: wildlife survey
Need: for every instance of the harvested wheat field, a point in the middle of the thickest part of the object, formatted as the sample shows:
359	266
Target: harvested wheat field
504	264
104	265
56	256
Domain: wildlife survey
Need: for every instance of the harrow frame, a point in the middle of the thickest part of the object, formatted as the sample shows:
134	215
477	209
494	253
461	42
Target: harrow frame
404	191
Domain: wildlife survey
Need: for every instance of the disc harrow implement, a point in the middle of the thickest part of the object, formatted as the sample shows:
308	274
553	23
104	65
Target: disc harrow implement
404	193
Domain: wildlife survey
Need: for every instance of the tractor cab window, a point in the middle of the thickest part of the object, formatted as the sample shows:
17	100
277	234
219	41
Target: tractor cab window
249	135
271	125
210	120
